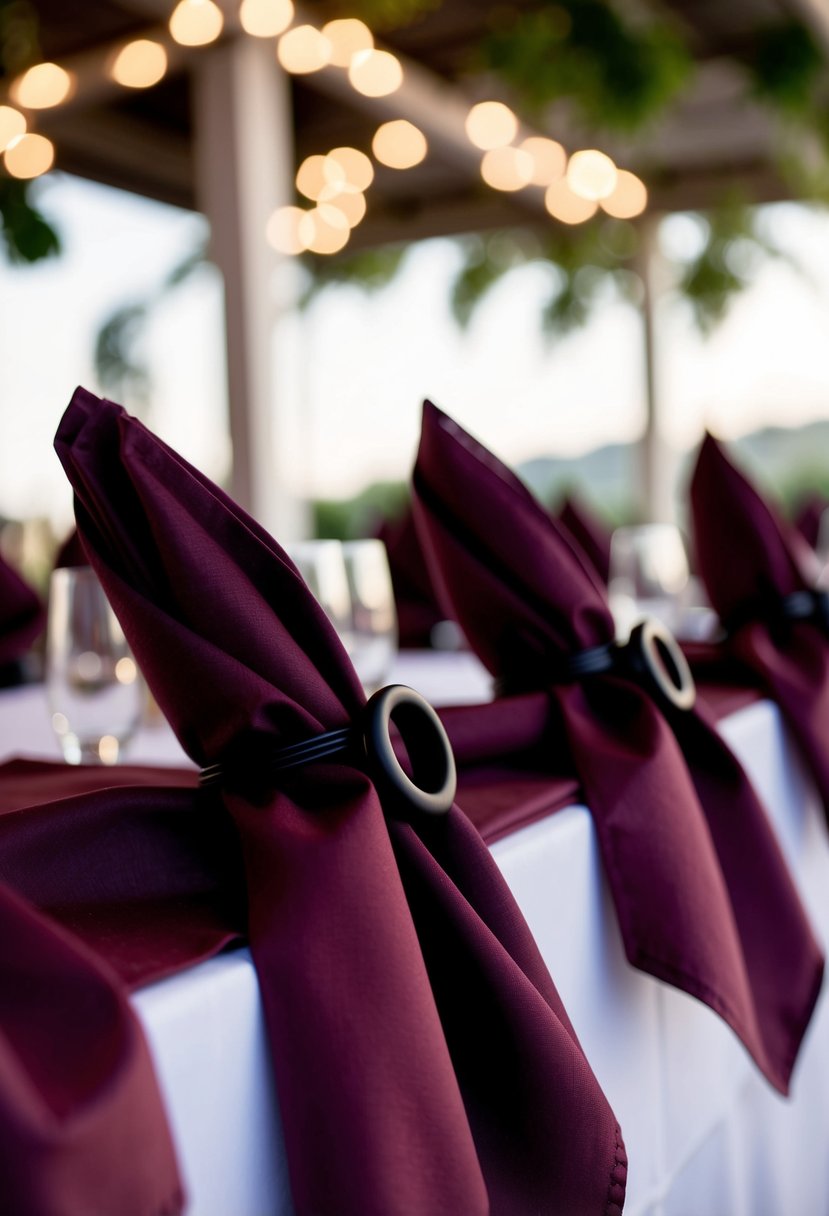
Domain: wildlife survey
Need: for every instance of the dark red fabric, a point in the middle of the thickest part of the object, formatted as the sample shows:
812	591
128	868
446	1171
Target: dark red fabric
71	552
588	531
423	1060
808	516
418	610
749	558
82	1127
22	615
702	893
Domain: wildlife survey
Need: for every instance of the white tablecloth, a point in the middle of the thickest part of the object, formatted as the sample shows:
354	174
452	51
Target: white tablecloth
706	1135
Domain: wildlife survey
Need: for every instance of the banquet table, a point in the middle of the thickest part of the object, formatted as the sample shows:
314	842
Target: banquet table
706	1135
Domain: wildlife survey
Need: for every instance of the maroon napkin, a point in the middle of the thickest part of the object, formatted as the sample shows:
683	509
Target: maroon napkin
82	1126
702	893
750	560
71	552
589	532
423	1061
417	608
22	615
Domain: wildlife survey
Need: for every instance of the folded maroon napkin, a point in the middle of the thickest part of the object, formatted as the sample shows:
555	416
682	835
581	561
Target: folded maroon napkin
82	1127
588	531
71	552
417	608
423	1061
22	615
702	893
759	575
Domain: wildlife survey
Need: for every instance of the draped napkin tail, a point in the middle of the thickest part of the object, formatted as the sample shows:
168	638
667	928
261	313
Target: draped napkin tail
415	1033
702	893
750	561
22	615
82	1125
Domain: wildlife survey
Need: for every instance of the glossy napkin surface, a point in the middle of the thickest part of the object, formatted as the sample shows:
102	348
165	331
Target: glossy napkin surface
423	1061
748	559
702	893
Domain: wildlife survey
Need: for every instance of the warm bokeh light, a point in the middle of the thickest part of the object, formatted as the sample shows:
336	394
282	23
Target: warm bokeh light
507	168
12	126
351	165
351	203
266	18
629	198
139	65
312	177
591	174
196	22
375	73
108	749
42	86
303	49
491	124
324	230
566	206
548	157
126	671
284	228
29	156
347	36
399	144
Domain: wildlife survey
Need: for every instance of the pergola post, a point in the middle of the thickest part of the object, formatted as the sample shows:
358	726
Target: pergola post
244	168
655	499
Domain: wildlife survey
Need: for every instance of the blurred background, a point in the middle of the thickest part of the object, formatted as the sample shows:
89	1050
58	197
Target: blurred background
587	229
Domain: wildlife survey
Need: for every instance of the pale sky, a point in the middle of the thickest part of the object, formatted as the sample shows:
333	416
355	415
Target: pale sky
352	371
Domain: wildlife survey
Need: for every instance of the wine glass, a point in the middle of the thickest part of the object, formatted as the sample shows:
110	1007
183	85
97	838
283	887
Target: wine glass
95	691
373	617
322	564
649	576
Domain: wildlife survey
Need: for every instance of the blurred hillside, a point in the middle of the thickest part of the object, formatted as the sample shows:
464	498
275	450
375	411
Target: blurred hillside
788	462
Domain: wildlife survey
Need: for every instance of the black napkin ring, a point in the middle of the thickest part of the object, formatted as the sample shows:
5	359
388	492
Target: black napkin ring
809	604
431	788
651	656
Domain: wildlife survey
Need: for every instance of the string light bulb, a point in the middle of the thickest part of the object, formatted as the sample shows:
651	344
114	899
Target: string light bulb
566	206
348	165
348	37
196	22
284	230
629	197
399	144
313	176
491	124
43	86
591	174
266	18
375	73
507	168
548	157
12	126
324	230
303	49
139	64
352	203
29	156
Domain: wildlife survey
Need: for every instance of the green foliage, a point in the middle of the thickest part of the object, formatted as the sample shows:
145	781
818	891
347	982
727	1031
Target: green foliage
120	362
19	36
27	235
349	519
726	264
584	264
617	74
369	269
785	66
387	14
